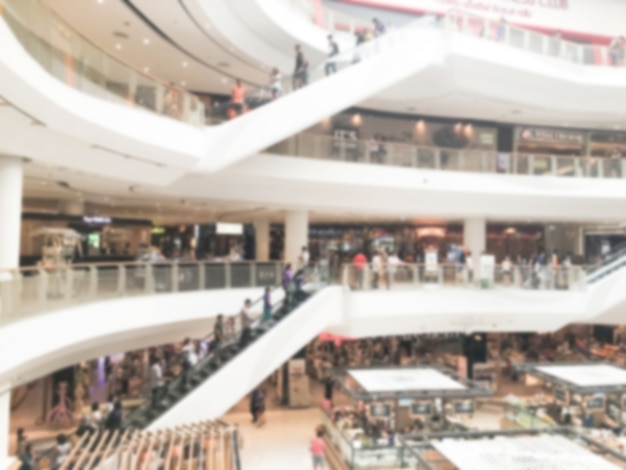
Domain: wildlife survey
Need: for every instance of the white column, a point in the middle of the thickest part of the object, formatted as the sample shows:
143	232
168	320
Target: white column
262	240
5	415
72	207
296	235
10	211
475	239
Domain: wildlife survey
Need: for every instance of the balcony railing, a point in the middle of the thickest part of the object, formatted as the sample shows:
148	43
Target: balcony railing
435	158
80	64
411	276
528	40
28	292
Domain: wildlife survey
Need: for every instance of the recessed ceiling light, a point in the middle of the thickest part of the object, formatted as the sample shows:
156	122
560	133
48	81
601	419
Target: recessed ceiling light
183	83
224	79
118	46
146	69
185	64
100	1
146	41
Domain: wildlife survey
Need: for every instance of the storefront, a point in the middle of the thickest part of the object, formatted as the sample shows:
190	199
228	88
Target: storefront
100	237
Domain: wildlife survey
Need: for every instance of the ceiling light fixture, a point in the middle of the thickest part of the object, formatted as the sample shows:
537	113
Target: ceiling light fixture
185	64
183	83
100	1
146	41
118	46
146	69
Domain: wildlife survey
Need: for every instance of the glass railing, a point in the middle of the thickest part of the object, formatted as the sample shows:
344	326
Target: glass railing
610	263
411	276
525	39
326	147
233	343
331	20
78	63
27	292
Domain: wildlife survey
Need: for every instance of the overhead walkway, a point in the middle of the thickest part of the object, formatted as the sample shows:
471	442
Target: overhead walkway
101	103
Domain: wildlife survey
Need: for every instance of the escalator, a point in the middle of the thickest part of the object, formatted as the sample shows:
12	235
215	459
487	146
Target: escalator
236	359
611	262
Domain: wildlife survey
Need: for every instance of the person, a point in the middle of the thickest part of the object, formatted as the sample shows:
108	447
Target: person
501	33
62	450
276	83
360	263
114	420
360	39
384	268
318	450
300	72
556	43
376	269
96	415
110	404
260	408
238	97
218	332
267	305
331	65
245	316
506	270
616	163
254	399
156	384
26	458
616	50
379	27
21	441
304	257
469	267
287	278
373	148
190	358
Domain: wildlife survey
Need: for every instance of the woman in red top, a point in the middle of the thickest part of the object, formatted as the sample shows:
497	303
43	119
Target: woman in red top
238	97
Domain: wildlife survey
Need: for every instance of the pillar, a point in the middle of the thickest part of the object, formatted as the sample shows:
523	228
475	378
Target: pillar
262	240
475	238
296	235
11	176
5	415
72	207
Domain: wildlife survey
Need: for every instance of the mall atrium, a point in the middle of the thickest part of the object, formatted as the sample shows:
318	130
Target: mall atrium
312	234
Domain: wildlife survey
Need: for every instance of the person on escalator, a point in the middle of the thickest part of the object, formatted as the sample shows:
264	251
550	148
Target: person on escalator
267	305
218	332
246	322
331	65
300	74
238	97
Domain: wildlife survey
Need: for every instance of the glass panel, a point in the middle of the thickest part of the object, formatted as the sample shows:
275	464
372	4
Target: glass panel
69	57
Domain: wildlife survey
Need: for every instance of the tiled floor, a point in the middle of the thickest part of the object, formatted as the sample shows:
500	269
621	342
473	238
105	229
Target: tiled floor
282	444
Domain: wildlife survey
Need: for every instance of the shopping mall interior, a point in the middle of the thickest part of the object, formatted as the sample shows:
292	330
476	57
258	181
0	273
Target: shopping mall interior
338	234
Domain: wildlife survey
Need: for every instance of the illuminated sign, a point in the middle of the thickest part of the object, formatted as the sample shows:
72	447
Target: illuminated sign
96	219
229	229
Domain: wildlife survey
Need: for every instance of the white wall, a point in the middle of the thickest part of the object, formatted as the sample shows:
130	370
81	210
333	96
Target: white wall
598	17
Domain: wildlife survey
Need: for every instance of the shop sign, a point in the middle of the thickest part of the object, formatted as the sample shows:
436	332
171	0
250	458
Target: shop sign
157	230
431	261
487	265
534	134
96	219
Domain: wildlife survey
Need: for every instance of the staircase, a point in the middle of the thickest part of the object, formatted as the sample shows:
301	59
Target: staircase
187	382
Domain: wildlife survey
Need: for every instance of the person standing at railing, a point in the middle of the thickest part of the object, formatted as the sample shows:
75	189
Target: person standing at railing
616	51
238	97
360	263
501	31
218	332
616	163
506	270
376	269
331	65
